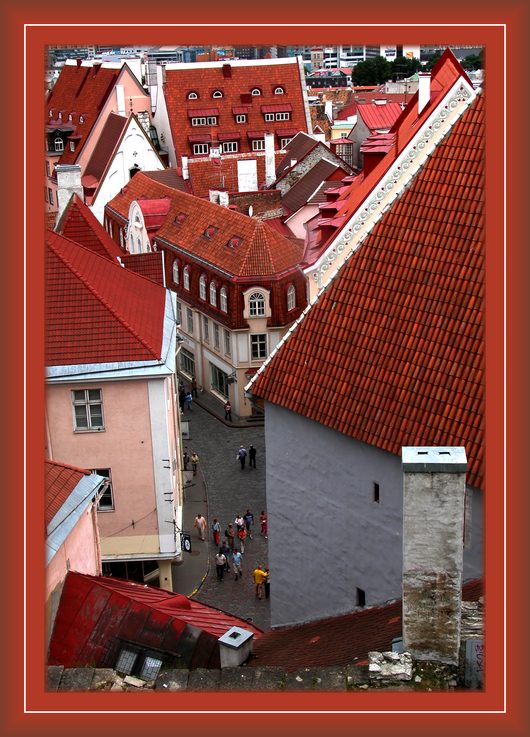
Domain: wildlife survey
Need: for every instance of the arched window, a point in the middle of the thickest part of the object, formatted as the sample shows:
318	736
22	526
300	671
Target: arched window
202	287
223	296
256	304
217	93
186	277
193	96
291	297
59	144
213	294
175	271
279	91
256	91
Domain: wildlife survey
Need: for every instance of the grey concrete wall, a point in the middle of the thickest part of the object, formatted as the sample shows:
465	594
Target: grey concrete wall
327	536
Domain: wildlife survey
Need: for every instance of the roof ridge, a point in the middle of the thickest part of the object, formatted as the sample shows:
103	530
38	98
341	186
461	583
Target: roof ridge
97	295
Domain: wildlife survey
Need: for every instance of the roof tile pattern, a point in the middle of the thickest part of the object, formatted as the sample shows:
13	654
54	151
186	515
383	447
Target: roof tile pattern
79	224
96	311
398	332
298	195
205	79
60	481
379	117
104	148
221	174
150	265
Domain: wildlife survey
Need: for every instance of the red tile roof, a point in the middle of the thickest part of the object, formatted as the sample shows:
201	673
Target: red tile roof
96	311
377	117
206	174
104	149
60	481
150	265
398	332
337	640
79	224
204	79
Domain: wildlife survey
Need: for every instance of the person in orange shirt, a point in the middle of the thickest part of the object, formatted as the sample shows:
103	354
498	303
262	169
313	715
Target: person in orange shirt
259	576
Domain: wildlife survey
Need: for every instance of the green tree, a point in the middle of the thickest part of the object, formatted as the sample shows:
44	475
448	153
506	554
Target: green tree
402	68
473	62
371	72
431	60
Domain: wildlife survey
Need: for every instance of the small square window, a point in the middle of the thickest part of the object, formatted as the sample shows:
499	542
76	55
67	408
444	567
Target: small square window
258	346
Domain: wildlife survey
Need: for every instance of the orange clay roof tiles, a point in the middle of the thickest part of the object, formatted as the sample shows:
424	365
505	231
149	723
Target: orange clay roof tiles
399	331
96	311
61	480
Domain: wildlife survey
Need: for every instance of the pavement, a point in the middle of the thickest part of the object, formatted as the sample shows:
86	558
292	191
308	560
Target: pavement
221	489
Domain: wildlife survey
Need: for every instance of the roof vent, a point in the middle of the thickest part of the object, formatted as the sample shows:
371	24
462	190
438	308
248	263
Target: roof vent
210	231
234	242
180	218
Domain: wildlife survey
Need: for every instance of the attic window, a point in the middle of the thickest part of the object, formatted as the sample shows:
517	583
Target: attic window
72	146
58	144
234	242
255	92
60	116
51	113
279	91
180	218
70	118
217	93
193	96
81	118
210	231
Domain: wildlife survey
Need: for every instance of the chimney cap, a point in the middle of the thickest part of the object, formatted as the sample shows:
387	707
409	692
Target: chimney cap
434	459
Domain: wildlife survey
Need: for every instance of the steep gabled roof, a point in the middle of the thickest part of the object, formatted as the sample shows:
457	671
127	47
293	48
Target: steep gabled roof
107	141
297	149
79	224
96	311
150	265
398	333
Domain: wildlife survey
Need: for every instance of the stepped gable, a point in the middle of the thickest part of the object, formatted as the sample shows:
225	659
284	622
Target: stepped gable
398	332
96	311
79	224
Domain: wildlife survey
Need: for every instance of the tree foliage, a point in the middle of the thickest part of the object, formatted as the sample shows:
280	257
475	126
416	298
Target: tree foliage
378	70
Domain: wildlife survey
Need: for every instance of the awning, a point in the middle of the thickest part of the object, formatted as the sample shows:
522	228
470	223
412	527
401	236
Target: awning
229	136
241	110
256	134
200	138
203	112
287	132
285	107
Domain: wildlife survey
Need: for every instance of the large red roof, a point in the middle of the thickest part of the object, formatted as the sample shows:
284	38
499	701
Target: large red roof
398	333
79	224
96	311
235	80
379	116
61	480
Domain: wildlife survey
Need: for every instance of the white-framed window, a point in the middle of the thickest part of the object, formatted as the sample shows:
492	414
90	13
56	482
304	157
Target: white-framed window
212	120
193	96
217	93
179	313
256	91
81	118
213	294
216	336
48	169
106	500
269	117
223	299
228	344
258	144
198	121
202	286
241	118
72	146
189	320
279	91
285	142
291	297
187	362
205	329
175	272
60	116
186	278
70	118
258	346
230	147
58	144
88	410
256	303
200	148
283	116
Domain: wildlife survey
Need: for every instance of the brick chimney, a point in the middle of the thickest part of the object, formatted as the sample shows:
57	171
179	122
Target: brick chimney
68	183
434	485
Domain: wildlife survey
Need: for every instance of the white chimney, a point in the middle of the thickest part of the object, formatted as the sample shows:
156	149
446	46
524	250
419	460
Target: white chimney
235	646
424	90
224	199
434	490
120	99
270	168
328	109
185	170
68	183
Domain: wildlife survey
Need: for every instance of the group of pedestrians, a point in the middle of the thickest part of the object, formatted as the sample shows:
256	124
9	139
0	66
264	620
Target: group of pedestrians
230	551
242	456
186	395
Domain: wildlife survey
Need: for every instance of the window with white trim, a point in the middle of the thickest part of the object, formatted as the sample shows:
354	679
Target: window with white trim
285	142
106	500
258	144
50	195
88	410
269	117
258	346
205	329
200	148
291	297
283	116
213	294
228	345
241	118
193	96
189	319
186	278
279	91
175	272
219	381
212	120
256	91
58	144
217	93
230	147
216	336
223	299
198	121
256	303
202	286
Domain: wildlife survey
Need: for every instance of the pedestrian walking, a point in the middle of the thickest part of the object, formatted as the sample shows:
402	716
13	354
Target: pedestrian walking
194	462
228	411
263	523
230	535
241	456
249	521
267	583
251	456
242	536
188	400
220	564
236	565
239	522
225	550
200	524
259	576
216	529
181	386
182	397
194	387
185	459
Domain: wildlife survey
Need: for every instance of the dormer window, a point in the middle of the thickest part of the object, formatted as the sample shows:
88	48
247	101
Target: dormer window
234	242
186	277
51	113
210	231
279	91
202	287
217	94
60	116
193	96
58	144
291	297
255	92
256	304
241	118
81	118
213	294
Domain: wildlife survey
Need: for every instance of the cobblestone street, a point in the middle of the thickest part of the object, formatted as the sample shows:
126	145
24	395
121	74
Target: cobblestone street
230	491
